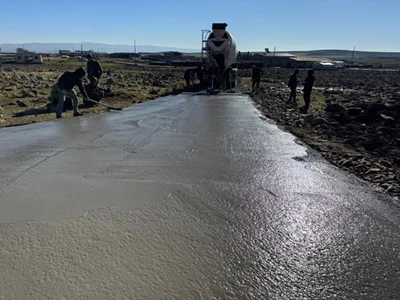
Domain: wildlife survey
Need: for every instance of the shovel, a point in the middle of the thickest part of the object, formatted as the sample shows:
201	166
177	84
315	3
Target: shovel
108	106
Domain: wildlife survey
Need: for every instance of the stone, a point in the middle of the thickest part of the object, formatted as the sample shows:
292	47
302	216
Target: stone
21	103
158	83
346	162
342	118
386	163
335	108
376	107
319	121
395	154
25	77
354	111
153	92
388	121
10	88
308	118
387	186
356	141
110	81
28	94
374	143
373	170
386	130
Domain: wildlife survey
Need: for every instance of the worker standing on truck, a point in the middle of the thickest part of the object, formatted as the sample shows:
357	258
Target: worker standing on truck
65	85
256	76
94	70
293	87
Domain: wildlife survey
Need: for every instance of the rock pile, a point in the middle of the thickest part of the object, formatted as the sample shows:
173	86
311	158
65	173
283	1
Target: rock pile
357	131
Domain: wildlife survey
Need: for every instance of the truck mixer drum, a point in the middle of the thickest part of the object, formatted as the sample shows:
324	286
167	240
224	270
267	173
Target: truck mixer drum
221	48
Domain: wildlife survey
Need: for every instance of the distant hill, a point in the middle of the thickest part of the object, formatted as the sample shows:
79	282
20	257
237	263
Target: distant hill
346	53
98	47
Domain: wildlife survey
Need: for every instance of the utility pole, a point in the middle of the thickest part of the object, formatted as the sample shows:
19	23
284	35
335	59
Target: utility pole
274	50
134	45
352	56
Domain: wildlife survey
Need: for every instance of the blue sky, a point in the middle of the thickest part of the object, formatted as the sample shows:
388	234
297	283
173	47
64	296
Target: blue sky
285	24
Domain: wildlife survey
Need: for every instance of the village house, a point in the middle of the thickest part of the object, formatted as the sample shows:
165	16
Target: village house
25	57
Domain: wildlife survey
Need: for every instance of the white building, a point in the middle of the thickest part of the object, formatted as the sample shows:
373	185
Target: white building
26	57
323	65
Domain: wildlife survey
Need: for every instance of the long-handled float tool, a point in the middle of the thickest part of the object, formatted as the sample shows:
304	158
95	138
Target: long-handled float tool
108	106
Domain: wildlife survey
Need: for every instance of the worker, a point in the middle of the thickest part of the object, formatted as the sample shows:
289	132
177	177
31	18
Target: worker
66	84
308	86
94	70
256	76
215	76
293	87
95	93
200	74
189	76
227	76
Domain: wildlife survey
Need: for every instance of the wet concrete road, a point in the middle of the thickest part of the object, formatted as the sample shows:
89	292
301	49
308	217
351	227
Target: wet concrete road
188	197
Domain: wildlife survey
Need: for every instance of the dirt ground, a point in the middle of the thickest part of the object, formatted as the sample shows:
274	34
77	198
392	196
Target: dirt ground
353	121
25	89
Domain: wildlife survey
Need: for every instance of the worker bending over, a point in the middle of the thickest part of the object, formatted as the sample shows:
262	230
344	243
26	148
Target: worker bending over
65	85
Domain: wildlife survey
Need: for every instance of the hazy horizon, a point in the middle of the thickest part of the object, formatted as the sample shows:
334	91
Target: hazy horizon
102	47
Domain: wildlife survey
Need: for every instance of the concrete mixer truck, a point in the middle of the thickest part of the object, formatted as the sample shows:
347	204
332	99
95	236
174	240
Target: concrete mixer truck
219	46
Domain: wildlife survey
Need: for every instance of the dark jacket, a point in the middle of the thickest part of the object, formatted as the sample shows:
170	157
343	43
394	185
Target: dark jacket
69	80
200	74
293	81
308	84
94	69
189	73
257	72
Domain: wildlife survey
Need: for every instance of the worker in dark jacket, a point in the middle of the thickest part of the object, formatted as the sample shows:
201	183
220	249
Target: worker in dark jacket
308	86
256	76
66	84
94	70
200	74
293	87
189	76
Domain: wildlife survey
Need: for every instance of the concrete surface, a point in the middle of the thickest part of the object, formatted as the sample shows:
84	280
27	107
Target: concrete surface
186	197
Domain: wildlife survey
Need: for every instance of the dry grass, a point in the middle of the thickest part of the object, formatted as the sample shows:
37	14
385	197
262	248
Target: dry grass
132	84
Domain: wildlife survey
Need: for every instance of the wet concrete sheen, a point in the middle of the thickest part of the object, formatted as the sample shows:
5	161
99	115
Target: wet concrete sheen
186	197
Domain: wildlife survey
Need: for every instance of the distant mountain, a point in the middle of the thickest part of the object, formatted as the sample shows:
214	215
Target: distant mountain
98	47
346	53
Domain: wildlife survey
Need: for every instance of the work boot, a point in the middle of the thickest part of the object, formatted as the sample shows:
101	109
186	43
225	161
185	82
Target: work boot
58	116
77	114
